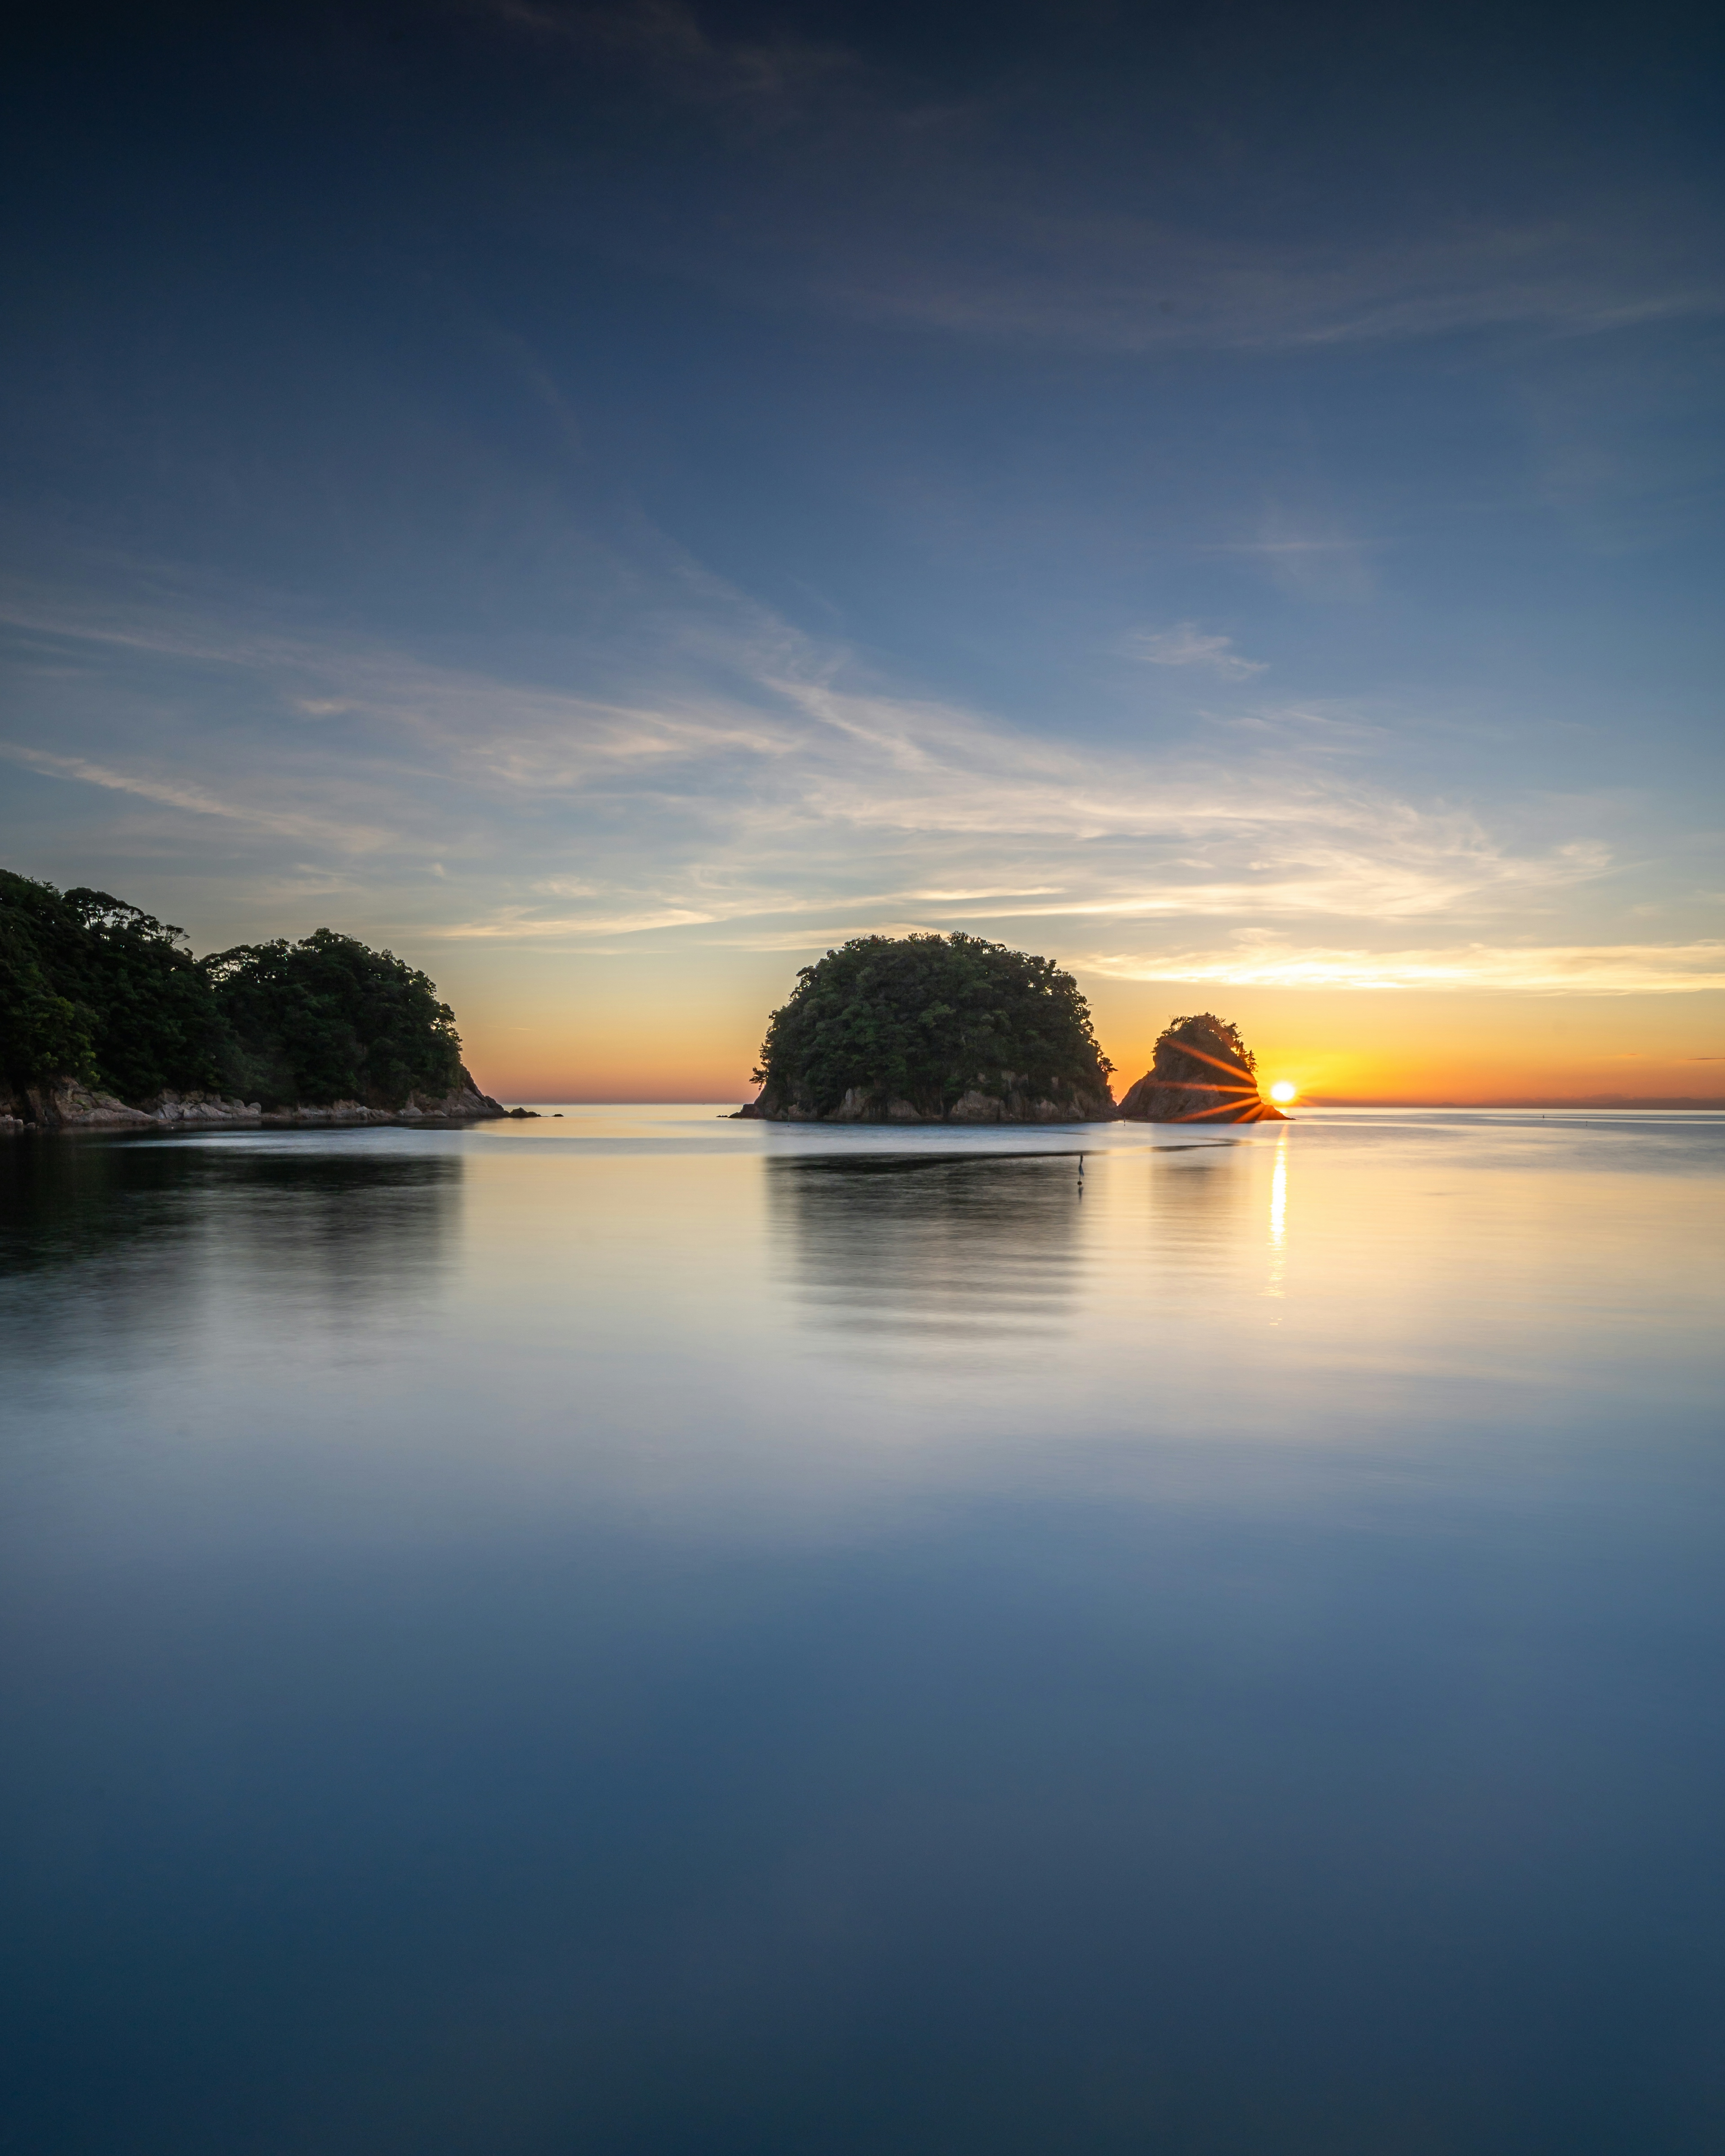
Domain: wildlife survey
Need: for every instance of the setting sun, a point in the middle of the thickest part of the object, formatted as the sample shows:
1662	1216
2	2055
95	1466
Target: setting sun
1283	1091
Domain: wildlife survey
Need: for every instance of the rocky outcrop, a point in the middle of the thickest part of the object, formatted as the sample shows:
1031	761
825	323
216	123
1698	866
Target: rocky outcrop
1009	1098
67	1105
1202	1073
464	1104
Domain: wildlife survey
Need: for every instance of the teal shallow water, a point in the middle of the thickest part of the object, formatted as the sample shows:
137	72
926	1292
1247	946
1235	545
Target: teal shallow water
649	1634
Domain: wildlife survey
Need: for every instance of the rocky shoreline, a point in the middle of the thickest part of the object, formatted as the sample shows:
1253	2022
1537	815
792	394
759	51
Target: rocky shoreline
1016	1101
68	1106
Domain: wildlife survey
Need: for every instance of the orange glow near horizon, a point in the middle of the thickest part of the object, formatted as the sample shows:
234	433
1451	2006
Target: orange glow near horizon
687	1026
1408	1046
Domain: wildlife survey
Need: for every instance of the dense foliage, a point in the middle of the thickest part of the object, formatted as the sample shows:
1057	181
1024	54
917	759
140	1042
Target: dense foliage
1202	1072
1185	1047
328	1019
94	989
924	1018
40	1030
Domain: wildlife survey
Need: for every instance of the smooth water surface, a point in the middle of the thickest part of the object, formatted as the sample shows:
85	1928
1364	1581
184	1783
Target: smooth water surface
647	1634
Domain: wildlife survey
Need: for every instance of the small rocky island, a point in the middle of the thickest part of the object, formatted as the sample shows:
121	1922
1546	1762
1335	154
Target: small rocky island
108	1022
932	1028
1202	1072
954	1030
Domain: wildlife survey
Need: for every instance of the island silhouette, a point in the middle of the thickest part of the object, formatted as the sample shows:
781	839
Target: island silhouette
1201	1071
933	1028
107	1019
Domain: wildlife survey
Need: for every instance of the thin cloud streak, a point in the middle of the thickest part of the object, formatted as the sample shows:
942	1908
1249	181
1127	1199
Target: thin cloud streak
175	793
1117	285
1186	644
1617	969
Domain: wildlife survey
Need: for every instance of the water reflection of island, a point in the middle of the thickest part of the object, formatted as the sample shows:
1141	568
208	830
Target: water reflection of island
188	1226
979	1246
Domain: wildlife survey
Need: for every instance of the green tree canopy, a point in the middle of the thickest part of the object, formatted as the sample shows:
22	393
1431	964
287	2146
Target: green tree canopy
329	1019
1188	1049
97	990
926	1018
93	989
1201	1071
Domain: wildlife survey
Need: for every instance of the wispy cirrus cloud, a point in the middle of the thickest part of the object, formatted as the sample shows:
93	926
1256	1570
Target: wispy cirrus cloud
1185	645
518	925
1607	969
995	211
795	803
1125	285
198	800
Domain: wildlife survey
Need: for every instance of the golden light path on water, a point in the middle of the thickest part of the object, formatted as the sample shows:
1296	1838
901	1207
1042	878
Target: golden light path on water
1278	1213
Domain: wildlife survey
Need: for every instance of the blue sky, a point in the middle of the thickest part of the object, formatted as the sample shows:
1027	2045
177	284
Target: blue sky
1232	500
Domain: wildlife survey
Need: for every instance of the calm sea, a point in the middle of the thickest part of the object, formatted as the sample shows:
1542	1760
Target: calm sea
656	1636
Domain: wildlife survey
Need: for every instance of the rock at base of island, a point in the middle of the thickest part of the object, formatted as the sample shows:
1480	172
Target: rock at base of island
1010	1099
68	1105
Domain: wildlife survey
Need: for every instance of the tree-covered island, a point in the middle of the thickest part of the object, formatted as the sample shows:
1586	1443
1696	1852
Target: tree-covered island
932	1028
107	1018
1201	1072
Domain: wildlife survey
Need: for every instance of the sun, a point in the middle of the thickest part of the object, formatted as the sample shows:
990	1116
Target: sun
1283	1089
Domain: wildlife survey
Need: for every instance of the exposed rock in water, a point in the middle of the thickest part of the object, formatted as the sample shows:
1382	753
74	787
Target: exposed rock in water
1203	1072
463	1103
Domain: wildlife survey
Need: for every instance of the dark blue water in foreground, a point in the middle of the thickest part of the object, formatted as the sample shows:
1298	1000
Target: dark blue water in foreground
641	1634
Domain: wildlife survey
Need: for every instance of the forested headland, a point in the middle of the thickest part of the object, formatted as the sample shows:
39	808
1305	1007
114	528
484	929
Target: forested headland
98	996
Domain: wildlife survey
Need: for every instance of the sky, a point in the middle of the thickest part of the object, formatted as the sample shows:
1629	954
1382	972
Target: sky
610	501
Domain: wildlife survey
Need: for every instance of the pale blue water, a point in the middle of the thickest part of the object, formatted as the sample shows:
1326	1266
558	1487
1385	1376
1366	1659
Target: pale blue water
645	1635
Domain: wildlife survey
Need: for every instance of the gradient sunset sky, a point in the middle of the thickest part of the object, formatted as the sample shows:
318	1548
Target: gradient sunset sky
610	501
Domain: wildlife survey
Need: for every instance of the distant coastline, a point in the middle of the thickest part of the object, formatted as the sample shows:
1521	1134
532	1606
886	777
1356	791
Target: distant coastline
719	1098
1691	1100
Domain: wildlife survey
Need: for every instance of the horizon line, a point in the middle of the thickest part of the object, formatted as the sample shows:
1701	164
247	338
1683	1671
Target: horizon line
1713	1102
